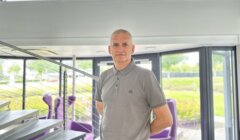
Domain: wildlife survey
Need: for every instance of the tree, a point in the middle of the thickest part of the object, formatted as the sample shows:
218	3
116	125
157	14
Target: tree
217	59
13	70
85	64
171	60
41	67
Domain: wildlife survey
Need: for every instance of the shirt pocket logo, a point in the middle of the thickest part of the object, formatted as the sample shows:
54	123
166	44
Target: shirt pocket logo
130	91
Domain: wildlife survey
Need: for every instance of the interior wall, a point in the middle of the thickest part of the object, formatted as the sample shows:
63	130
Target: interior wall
91	22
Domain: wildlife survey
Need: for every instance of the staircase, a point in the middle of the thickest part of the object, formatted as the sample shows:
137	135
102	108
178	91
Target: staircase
25	125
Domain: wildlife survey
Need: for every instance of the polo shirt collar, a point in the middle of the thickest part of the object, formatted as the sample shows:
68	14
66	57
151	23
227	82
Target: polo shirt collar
126	70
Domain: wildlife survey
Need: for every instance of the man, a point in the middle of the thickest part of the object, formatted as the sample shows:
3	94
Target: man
126	95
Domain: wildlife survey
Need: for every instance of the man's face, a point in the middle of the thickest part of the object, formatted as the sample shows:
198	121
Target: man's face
121	48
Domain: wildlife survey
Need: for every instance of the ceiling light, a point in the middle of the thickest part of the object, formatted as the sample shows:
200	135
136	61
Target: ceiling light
150	48
41	51
100	51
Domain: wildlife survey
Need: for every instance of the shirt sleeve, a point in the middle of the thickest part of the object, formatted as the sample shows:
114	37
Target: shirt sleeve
155	95
99	89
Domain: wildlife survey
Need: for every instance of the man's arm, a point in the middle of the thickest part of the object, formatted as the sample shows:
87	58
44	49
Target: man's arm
99	106
163	119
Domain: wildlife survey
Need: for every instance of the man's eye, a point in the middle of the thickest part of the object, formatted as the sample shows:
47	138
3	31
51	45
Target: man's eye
115	45
125	44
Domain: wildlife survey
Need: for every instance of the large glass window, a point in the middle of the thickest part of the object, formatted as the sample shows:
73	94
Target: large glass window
11	71
105	65
82	89
144	63
42	77
180	81
222	72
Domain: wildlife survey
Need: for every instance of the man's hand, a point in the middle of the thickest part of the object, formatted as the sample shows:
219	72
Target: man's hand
163	119
99	106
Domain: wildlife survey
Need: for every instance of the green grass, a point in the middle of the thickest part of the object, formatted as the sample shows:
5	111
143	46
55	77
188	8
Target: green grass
218	104
186	91
189	84
188	104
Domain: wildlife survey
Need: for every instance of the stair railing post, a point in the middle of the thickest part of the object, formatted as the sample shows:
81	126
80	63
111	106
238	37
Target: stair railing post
65	100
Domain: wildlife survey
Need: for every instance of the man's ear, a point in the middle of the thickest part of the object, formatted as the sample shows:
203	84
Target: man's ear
133	49
109	49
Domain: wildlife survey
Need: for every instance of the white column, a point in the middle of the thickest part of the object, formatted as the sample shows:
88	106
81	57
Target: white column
73	86
238	79
238	63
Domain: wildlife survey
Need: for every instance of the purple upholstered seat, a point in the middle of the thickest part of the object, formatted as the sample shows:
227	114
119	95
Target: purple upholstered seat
47	98
73	125
58	107
169	133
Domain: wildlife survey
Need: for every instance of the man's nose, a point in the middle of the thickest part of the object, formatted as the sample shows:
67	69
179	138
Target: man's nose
121	48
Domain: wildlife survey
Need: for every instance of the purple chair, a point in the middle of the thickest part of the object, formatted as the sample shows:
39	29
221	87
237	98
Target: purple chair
58	106
169	133
47	98
73	125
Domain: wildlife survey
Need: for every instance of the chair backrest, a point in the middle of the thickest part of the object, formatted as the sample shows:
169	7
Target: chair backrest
169	133
173	109
73	125
58	107
47	98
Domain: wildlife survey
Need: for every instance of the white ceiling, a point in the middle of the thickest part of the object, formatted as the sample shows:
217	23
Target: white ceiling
82	28
143	45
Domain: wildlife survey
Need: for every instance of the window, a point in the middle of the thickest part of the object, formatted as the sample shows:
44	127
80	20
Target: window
222	75
180	81
41	77
11	80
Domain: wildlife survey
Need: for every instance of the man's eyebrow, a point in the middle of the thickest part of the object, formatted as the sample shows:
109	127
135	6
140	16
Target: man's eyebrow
115	43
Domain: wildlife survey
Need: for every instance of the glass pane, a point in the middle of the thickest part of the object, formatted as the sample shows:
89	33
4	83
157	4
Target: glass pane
69	84
222	95
145	63
105	65
11	78
180	81
83	90
41	77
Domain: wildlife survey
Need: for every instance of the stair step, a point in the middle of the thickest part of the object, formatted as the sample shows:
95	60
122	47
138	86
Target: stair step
33	129
4	103
3	114
13	117
64	135
15	128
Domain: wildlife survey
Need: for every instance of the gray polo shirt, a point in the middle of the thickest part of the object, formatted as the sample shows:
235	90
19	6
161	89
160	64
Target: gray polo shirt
129	96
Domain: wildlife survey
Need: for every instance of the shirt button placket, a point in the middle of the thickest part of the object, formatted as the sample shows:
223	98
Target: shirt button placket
117	85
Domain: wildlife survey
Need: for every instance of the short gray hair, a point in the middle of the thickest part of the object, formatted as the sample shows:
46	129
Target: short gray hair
118	31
